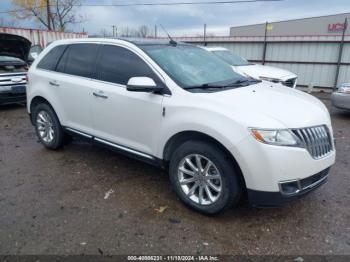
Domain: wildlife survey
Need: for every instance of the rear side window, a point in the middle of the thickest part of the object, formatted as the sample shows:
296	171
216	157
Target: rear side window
78	60
49	61
117	65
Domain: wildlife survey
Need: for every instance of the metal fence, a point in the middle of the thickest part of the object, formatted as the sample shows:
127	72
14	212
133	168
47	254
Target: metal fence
321	61
40	37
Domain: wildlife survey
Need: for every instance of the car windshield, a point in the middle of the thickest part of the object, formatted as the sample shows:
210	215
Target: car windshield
191	66
231	58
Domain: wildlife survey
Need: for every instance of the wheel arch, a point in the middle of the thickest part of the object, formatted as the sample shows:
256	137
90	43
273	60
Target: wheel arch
176	140
36	101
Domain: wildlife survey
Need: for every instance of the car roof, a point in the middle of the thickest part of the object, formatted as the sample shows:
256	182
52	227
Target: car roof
135	41
215	48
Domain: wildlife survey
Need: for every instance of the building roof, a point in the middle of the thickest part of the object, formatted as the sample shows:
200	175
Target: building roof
296	19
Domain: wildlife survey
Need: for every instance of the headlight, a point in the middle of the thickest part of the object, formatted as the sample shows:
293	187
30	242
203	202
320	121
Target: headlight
273	80
344	90
281	137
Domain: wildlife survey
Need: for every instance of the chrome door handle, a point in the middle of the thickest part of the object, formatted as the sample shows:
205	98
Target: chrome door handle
53	83
100	95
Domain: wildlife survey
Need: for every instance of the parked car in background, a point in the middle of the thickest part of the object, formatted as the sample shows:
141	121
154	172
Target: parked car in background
262	72
177	106
14	51
34	52
341	97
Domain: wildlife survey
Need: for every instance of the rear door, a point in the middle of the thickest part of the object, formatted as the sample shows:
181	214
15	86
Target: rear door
73	87
129	119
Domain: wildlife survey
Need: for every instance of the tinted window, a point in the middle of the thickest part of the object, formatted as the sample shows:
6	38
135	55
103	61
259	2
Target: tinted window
118	65
79	60
49	62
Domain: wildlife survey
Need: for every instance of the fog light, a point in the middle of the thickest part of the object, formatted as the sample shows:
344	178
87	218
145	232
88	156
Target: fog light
289	188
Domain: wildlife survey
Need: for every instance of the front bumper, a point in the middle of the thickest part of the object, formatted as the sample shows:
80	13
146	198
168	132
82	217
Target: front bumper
264	166
11	94
341	100
9	98
275	199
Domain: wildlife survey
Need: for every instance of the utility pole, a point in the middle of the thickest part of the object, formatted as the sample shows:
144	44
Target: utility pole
48	14
205	34
113	33
265	44
340	54
155	31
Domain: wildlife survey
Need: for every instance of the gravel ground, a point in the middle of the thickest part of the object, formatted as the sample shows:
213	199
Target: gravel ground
88	200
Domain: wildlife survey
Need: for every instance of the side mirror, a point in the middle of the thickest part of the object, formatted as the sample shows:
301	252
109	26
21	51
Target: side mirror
142	84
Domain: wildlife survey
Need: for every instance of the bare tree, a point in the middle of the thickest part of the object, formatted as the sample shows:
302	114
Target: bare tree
62	14
127	31
124	31
51	14
144	31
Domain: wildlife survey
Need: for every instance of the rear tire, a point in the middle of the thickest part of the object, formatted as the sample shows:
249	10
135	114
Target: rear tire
204	177
47	126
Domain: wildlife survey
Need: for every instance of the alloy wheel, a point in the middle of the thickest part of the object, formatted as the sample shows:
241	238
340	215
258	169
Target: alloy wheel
200	179
44	125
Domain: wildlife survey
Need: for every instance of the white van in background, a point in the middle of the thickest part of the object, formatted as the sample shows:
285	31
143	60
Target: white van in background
262	72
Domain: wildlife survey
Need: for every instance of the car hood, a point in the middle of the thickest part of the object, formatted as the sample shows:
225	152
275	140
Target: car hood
271	106
14	46
256	71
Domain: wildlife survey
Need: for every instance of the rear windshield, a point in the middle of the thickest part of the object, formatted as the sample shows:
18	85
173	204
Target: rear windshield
231	58
10	59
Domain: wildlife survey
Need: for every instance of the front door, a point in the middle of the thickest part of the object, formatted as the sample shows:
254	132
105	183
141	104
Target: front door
128	119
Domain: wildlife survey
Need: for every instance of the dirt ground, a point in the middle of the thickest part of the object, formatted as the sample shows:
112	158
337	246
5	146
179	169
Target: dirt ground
57	203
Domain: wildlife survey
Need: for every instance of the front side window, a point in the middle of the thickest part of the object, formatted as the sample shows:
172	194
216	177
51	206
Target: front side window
231	58
79	60
117	65
190	65
49	61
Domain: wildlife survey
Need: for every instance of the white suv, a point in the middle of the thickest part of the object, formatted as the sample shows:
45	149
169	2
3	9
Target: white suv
263	72
220	135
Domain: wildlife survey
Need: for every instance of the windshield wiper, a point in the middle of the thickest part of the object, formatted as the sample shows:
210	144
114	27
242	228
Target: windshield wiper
204	86
219	85
243	82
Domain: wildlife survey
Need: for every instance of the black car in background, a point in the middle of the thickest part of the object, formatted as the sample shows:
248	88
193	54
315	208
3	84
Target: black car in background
14	52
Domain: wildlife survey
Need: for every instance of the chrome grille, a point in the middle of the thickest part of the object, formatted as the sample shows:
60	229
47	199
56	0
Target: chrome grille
7	79
317	140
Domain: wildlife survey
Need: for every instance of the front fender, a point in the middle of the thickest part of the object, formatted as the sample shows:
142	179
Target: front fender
221	128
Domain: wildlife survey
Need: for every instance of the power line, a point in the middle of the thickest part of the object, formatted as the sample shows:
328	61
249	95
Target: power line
183	3
154	4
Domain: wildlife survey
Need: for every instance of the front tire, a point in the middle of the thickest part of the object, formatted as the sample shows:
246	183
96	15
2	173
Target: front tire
204	177
47	126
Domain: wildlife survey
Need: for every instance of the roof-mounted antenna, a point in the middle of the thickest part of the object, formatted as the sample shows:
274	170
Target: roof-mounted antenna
172	41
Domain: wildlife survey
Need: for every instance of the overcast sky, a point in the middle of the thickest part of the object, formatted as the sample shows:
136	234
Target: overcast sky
189	20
